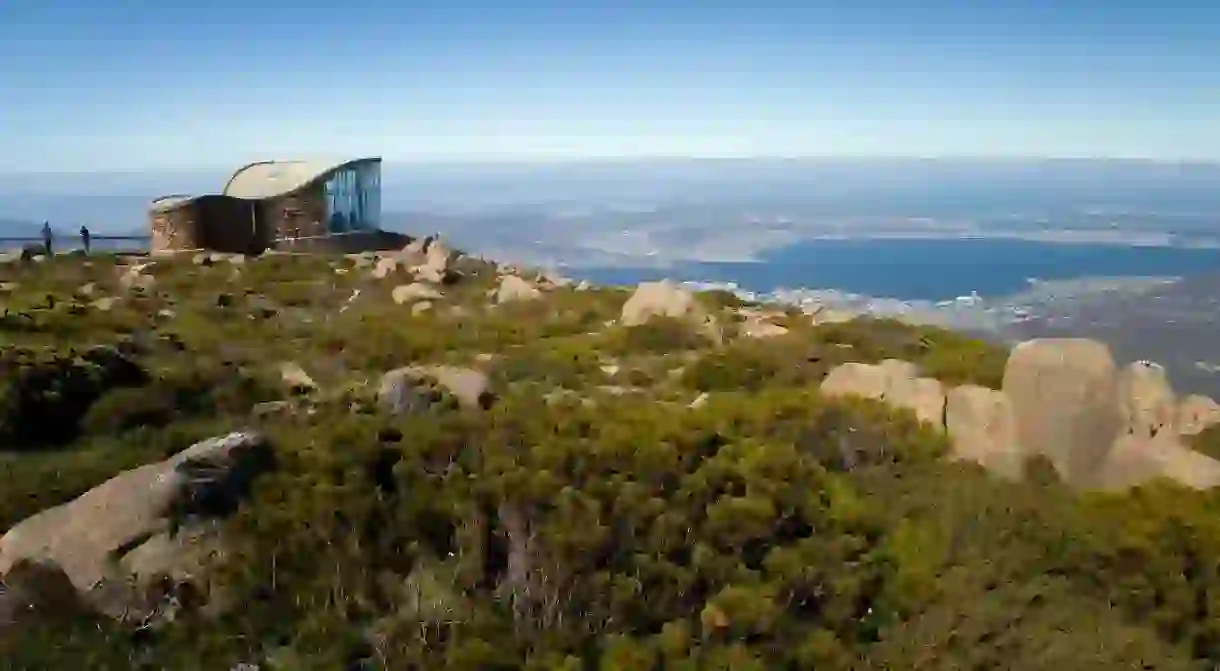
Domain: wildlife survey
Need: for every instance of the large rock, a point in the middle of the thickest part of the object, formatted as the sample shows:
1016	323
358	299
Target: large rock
513	289
1146	402
1065	402
1196	414
892	381
296	379
385	267
981	429
416	291
408	389
94	535
1133	461
657	299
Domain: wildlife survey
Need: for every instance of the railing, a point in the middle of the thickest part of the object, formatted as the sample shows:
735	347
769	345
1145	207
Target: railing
74	241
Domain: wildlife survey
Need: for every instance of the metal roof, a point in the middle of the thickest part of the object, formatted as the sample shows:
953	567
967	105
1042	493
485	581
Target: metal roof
170	202
268	179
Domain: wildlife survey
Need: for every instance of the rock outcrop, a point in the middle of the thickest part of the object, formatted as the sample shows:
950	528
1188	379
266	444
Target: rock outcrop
657	299
410	389
513	289
1064	399
982	429
1195	414
416	291
150	522
895	382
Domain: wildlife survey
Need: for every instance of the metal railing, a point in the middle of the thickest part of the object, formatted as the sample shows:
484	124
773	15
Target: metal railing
74	241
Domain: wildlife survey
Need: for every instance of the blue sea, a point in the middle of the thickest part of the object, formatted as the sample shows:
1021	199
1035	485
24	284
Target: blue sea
926	269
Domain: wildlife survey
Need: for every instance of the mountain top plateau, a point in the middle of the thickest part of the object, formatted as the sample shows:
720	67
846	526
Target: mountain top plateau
422	460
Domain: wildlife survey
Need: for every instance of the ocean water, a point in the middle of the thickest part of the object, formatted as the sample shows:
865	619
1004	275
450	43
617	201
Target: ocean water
926	269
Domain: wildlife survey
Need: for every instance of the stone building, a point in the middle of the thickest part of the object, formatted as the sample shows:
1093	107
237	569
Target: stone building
290	205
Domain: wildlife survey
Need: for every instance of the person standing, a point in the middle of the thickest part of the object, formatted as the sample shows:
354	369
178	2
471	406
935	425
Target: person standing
46	237
84	238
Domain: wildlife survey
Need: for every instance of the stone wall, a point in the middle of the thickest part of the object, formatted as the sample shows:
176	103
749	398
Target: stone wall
173	229
296	215
218	223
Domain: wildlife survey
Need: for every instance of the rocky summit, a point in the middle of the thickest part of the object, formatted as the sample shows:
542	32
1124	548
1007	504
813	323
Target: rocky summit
423	460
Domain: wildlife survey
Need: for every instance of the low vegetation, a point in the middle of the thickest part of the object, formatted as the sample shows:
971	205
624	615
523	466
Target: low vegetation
593	517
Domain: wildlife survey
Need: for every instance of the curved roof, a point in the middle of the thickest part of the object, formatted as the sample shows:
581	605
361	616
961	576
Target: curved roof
171	201
268	179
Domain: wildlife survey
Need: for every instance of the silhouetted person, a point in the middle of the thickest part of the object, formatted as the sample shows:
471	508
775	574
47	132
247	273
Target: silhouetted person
46	237
85	238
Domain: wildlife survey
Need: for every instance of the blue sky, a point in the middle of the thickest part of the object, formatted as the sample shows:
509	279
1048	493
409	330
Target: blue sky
97	84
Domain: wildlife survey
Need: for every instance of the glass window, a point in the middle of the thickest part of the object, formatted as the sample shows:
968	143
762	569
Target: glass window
353	198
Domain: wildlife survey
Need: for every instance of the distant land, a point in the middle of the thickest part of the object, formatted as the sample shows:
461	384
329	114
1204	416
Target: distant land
1127	251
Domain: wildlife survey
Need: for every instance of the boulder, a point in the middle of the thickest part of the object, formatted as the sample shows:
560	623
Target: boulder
296	379
1146	401
409	389
892	381
1134	460
417	291
856	379
757	327
1065	402
981	429
1197	413
420	308
657	299
135	280
107	527
385	267
513	289
923	396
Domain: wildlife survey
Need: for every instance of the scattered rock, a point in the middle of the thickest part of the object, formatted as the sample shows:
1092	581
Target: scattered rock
105	303
296	379
513	289
420	308
407	390
759	327
385	267
407	293
657	299
133	279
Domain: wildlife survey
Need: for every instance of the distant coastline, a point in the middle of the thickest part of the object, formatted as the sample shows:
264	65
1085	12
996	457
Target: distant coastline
923	268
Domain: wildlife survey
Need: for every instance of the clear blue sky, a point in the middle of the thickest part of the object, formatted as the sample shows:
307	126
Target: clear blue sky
91	84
